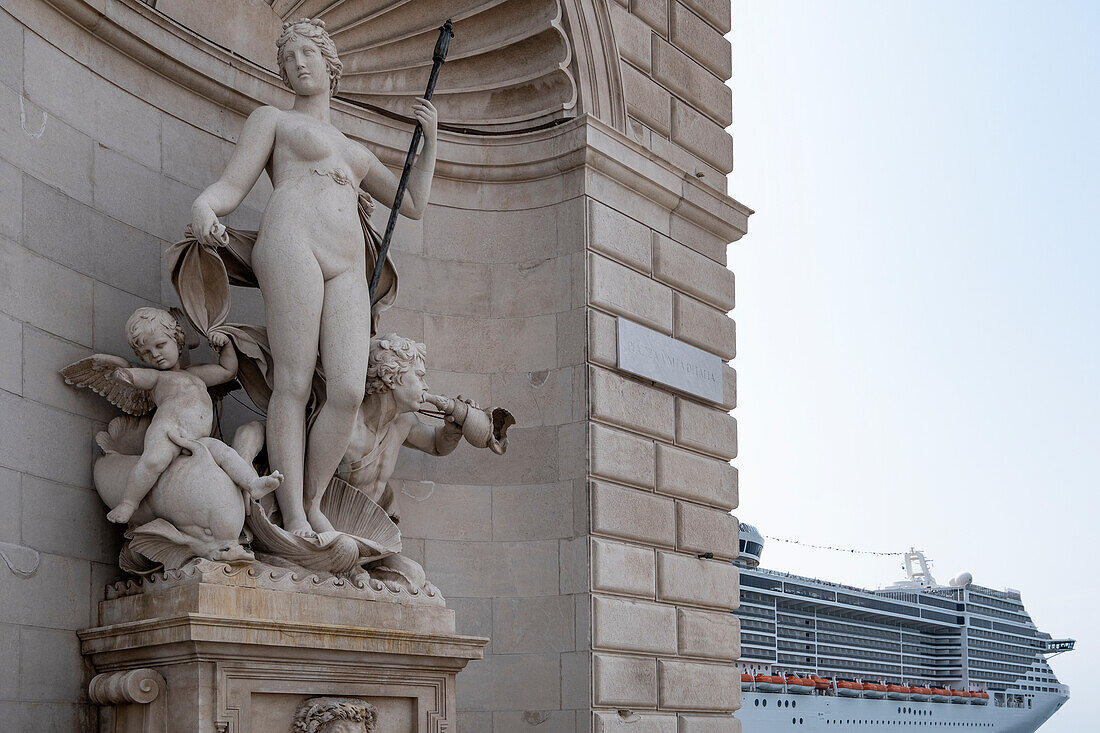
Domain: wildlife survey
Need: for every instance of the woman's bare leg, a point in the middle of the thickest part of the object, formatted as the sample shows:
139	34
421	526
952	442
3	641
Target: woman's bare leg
345	348
294	292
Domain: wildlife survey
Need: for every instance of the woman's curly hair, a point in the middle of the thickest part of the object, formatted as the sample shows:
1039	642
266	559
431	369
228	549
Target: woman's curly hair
390	357
315	31
317	712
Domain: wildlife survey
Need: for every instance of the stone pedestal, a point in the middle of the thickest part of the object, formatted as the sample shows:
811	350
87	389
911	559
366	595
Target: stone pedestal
213	649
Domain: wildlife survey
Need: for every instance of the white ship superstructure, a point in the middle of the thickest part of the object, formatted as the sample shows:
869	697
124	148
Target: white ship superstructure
817	655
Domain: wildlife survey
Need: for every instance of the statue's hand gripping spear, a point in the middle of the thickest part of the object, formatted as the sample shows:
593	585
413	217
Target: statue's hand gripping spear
446	33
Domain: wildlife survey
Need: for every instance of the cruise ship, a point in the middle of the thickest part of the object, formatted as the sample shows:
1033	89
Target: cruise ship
821	656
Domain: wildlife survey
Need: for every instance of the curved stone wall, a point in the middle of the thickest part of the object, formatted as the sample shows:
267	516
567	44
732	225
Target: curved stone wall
114	114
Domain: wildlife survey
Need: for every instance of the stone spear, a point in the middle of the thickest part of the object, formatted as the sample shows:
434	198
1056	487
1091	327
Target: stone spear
446	33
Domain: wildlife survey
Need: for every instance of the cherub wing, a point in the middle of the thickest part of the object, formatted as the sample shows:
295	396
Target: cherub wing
99	374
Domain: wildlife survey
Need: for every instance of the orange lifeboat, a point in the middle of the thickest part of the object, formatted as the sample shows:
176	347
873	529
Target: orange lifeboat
898	692
820	684
979	698
941	695
959	697
769	683
874	690
800	685
848	689
920	694
746	682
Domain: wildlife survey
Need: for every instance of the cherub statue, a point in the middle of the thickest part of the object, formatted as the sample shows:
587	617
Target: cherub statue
184	411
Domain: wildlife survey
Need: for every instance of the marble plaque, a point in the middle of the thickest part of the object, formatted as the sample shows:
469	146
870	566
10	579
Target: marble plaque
653	355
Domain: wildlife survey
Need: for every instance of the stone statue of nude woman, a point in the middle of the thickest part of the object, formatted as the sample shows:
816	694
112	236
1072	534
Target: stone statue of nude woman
311	261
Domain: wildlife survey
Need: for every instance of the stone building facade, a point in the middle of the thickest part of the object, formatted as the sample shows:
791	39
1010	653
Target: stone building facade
581	180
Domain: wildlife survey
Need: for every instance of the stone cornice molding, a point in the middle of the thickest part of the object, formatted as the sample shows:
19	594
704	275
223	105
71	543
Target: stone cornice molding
187	59
182	637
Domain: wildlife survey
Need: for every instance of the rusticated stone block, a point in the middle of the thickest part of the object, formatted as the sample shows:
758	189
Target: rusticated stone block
691	272
632	35
622	457
701	136
631	405
716	12
697	686
699	239
699	40
633	626
693	581
619	568
618	236
603	339
691	82
654	12
711	634
701	529
630	722
621	290
632	514
647	100
729	387
624	681
696	477
706	429
703	326
709	724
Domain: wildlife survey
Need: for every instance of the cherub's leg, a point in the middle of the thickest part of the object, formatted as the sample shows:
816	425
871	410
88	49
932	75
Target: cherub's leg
240	470
157	455
345	348
248	440
293	290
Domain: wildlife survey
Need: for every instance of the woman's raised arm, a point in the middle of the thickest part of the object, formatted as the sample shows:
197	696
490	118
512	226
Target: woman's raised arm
382	185
249	157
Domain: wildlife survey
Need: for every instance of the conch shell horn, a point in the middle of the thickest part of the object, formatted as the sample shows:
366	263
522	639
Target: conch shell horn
481	428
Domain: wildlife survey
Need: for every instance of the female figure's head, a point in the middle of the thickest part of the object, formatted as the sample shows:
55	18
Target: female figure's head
295	39
335	715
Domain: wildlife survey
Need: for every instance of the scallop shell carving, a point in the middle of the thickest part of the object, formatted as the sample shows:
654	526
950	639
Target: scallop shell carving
508	69
351	511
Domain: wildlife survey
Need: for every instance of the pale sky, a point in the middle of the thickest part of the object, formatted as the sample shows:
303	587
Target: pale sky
917	317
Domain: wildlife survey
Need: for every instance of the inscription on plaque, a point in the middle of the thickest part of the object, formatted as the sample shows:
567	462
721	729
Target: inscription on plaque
649	354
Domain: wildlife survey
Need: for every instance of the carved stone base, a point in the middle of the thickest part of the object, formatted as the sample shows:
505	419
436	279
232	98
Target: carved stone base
221	651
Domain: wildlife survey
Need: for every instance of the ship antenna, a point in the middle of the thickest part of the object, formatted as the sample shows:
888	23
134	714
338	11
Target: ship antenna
921	573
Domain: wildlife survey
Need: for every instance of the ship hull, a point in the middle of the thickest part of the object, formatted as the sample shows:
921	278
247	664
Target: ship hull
766	712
